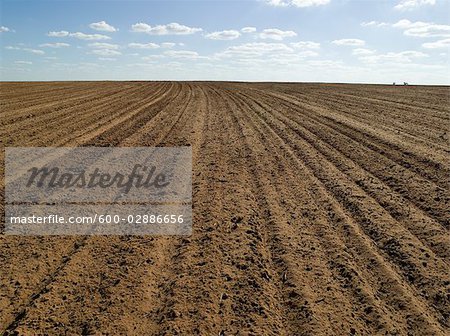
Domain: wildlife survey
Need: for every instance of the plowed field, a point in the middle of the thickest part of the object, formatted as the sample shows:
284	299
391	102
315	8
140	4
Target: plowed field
319	209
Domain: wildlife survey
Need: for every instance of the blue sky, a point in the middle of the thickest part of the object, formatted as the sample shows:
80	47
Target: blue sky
273	40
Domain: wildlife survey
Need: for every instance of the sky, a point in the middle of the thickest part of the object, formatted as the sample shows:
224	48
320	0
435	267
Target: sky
364	41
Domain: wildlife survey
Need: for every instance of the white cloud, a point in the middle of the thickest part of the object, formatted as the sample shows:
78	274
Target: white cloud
54	45
255	49
394	57
423	29
326	64
416	29
174	64
102	26
23	62
413	4
362	51
106	52
61	33
34	51
276	34
78	35
102	45
168	45
374	24
278	3
140	27
136	65
223	35
437	44
89	37
169	29
248	30
297	3
12	48
107	59
151	58
4	29
404	24
349	42
143	45
305	45
307	53
186	54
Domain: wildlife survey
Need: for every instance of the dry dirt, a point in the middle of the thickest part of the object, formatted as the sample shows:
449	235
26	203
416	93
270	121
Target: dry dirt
319	209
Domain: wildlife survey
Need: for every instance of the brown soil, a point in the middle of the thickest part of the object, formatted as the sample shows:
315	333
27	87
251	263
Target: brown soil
318	210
